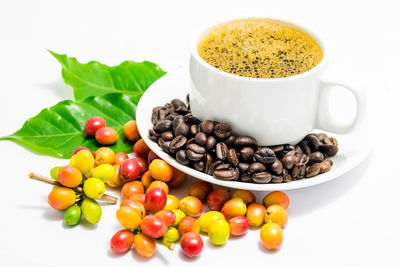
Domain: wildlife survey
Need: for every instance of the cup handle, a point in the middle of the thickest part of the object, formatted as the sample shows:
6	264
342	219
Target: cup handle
326	122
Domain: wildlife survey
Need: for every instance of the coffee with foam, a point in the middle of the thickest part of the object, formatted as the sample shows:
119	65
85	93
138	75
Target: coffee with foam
259	48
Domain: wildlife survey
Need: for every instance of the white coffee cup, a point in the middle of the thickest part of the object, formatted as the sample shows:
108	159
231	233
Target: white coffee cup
274	111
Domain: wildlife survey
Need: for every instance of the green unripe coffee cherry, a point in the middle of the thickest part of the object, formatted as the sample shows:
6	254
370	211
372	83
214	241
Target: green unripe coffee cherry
91	210
72	215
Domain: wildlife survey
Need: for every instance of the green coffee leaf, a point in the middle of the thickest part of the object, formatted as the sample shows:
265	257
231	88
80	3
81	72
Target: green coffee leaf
58	130
96	79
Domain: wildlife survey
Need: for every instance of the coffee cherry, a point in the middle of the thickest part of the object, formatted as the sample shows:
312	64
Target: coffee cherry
192	244
72	215
278	198
120	157
132	188
129	170
94	188
104	155
131	131
155	200
208	217
218	232
153	226
93	124
140	149
106	136
271	236
69	176
276	214
83	161
104	172
144	245
128	217
160	170
192	206
61	198
122	241
91	210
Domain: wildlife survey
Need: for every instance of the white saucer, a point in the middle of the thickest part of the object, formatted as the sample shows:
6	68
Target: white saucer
352	148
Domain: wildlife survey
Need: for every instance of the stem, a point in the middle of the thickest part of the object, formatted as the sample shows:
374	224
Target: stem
78	189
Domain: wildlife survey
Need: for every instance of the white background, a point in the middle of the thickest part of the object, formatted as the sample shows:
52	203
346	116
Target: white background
349	221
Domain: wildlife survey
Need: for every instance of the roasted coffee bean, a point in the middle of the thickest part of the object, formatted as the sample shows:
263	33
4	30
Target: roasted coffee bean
214	165
304	146
171	116
232	157
325	166
210	142
177	143
167	136
244	177
298	150
169	107
288	148
247	153
194	129
164	145
298	171
226	172
261	177
316	157
328	150
295	172
207	127
230	140
286	176
162	126
313	170
196	148
302	171
222	130
221	151
190	120
201	138
179	106
264	155
181	129
312	142
330	141
243	167
178	119
278	150
199	165
153	135
195	152
302	159
243	141
158	114
321	137
208	161
276	179
334	141
181	157
329	161
256	167
190	141
288	161
276	167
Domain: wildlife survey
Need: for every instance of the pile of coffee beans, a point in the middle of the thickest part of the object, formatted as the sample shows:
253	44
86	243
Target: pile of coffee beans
211	147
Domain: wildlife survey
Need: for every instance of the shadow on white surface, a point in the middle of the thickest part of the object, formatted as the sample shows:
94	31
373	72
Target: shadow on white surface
59	89
307	200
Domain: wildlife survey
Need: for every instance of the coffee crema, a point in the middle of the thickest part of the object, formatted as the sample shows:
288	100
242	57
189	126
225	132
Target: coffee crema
259	48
